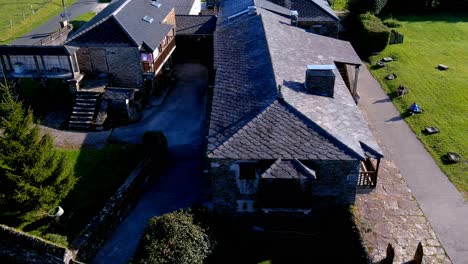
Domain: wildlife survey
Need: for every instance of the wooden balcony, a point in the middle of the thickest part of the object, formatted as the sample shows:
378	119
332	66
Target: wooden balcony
161	59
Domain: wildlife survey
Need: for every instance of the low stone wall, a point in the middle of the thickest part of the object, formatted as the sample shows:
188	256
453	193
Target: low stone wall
114	212
56	38
19	247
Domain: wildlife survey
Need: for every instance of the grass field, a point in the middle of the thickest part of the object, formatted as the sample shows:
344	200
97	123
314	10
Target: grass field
80	20
100	172
431	40
339	4
36	12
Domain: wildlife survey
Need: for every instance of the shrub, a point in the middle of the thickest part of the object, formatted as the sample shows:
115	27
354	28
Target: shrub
391	23
56	239
373	35
173	238
155	142
364	6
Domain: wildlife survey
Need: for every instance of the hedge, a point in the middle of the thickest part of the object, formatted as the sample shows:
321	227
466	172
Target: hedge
373	34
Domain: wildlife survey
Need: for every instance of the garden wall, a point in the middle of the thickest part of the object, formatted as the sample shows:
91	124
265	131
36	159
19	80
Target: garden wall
19	247
114	212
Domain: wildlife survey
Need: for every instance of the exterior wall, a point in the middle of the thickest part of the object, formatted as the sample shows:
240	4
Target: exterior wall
123	63
336	185
328	28
19	247
170	19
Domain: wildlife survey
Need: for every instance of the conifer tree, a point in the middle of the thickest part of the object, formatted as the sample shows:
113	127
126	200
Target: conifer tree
33	174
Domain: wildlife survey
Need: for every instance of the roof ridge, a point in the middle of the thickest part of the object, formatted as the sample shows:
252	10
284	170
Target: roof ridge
326	11
304	168
120	7
316	127
250	120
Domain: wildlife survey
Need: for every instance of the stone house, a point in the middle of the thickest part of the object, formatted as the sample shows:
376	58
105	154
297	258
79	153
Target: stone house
130	40
285	133
316	16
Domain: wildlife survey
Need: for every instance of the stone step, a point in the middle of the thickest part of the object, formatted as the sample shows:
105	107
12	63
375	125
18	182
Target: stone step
82	113
85	105
83	109
90	100
74	122
87	96
89	117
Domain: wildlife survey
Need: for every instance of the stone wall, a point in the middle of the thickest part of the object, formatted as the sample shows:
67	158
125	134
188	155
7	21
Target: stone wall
19	247
335	185
324	28
114	212
123	63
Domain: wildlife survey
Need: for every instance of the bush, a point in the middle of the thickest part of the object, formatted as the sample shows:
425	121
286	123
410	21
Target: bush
173	238
154	142
56	239
373	36
364	6
391	23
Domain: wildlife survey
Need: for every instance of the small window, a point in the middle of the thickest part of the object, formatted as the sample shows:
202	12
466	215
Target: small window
148	19
247	171
156	4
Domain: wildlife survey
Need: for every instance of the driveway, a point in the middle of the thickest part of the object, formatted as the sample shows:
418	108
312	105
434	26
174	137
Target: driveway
443	205
79	8
181	118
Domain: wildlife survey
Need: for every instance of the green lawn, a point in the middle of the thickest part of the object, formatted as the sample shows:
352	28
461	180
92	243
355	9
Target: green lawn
443	95
339	4
80	20
100	172
36	13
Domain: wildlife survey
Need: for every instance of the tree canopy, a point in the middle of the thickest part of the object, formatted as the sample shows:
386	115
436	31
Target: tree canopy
33	174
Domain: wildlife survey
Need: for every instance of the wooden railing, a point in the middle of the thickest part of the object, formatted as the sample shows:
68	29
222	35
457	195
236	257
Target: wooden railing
166	52
367	174
367	179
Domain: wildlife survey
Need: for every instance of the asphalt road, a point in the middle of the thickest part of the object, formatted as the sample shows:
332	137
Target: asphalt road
443	205
79	8
181	118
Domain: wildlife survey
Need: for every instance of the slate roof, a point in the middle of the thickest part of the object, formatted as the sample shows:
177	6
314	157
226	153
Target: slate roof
195	25
309	10
36	50
280	132
126	15
264	51
288	169
182	7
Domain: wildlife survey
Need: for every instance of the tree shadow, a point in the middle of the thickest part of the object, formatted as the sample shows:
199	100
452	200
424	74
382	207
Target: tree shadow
38	223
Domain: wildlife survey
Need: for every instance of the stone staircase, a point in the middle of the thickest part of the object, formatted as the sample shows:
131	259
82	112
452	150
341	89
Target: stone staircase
84	111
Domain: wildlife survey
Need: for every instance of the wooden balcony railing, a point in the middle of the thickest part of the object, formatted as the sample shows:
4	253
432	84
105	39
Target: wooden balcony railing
367	174
164	54
159	61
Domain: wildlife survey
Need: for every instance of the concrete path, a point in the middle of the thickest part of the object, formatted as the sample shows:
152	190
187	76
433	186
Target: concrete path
79	8
443	205
181	117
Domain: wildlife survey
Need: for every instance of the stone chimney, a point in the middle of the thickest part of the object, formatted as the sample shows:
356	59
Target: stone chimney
294	18
320	79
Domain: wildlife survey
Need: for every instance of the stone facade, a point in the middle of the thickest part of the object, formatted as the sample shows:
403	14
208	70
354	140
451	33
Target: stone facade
324	28
335	185
122	63
19	247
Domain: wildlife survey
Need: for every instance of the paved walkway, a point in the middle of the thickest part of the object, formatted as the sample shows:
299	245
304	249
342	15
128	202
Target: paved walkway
181	118
79	8
443	205
390	214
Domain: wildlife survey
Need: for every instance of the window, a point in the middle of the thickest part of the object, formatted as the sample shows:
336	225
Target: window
247	171
245	206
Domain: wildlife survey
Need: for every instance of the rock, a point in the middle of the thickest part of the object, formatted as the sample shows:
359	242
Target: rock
387	59
442	67
390	77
